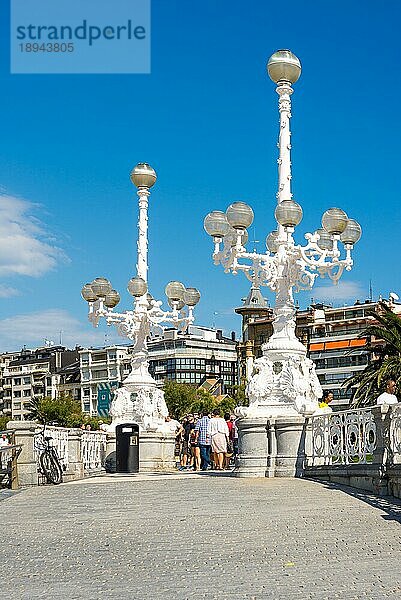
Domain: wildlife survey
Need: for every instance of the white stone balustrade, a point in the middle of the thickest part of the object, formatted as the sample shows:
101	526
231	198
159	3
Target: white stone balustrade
345	437
360	448
93	450
81	453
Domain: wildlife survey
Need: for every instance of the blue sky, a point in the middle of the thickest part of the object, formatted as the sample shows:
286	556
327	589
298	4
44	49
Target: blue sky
206	119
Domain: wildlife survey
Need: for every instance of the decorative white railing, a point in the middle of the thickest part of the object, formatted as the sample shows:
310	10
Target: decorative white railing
59	440
395	433
93	449
345	438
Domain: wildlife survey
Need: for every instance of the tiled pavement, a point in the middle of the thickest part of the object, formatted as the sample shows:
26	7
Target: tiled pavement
199	536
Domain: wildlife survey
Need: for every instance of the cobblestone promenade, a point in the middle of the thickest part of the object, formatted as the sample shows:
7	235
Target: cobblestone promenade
199	536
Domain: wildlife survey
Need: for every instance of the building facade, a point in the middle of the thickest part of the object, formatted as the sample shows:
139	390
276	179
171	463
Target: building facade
31	374
101	371
331	335
336	345
194	356
6	383
90	375
189	357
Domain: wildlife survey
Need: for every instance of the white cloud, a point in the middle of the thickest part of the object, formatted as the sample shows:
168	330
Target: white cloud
7	291
32	330
345	290
25	246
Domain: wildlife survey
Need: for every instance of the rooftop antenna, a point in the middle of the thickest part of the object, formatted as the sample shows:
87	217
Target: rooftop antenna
61	337
370	290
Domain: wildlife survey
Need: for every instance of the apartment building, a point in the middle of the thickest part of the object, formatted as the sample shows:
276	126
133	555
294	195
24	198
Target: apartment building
6	383
335	346
188	357
330	334
193	356
101	371
31	374
90	375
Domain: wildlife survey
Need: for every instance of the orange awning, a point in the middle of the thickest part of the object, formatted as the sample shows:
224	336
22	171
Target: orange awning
356	343
319	346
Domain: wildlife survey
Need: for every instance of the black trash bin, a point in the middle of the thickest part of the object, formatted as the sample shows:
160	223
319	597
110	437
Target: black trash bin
127	448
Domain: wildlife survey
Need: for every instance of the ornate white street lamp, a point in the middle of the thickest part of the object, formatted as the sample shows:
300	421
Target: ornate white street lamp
284	381
139	399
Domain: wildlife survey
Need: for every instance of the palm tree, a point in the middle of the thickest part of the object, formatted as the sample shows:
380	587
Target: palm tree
387	362
36	412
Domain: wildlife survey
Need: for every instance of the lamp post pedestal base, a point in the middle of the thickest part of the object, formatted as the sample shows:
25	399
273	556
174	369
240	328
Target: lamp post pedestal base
287	455
156	452
253	448
271	447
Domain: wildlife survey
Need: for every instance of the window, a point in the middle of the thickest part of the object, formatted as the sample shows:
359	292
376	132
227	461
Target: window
341	394
17	394
87	406
27	380
337	377
101	374
17	406
337	362
17	380
86	392
352	314
27	393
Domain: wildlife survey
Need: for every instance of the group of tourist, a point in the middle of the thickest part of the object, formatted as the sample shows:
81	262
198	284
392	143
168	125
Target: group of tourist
206	441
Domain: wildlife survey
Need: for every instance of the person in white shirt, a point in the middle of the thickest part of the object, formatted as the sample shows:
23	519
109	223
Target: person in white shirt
218	431
4	456
388	397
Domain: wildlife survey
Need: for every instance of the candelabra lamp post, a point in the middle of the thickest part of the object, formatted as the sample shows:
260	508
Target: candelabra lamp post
139	399
284	384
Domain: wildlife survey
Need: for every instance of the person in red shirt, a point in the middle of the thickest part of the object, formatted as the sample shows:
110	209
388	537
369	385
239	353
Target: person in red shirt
229	453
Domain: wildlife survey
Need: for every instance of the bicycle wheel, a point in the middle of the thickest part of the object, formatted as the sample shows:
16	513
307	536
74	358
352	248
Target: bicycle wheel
51	468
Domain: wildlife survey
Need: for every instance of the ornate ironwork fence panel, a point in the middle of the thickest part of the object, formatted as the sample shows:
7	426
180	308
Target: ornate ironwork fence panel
59	440
343	438
93	450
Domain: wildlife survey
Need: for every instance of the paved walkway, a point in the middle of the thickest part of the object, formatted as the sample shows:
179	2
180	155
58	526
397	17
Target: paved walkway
199	536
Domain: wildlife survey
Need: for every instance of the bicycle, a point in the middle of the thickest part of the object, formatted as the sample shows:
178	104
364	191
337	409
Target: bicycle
49	461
